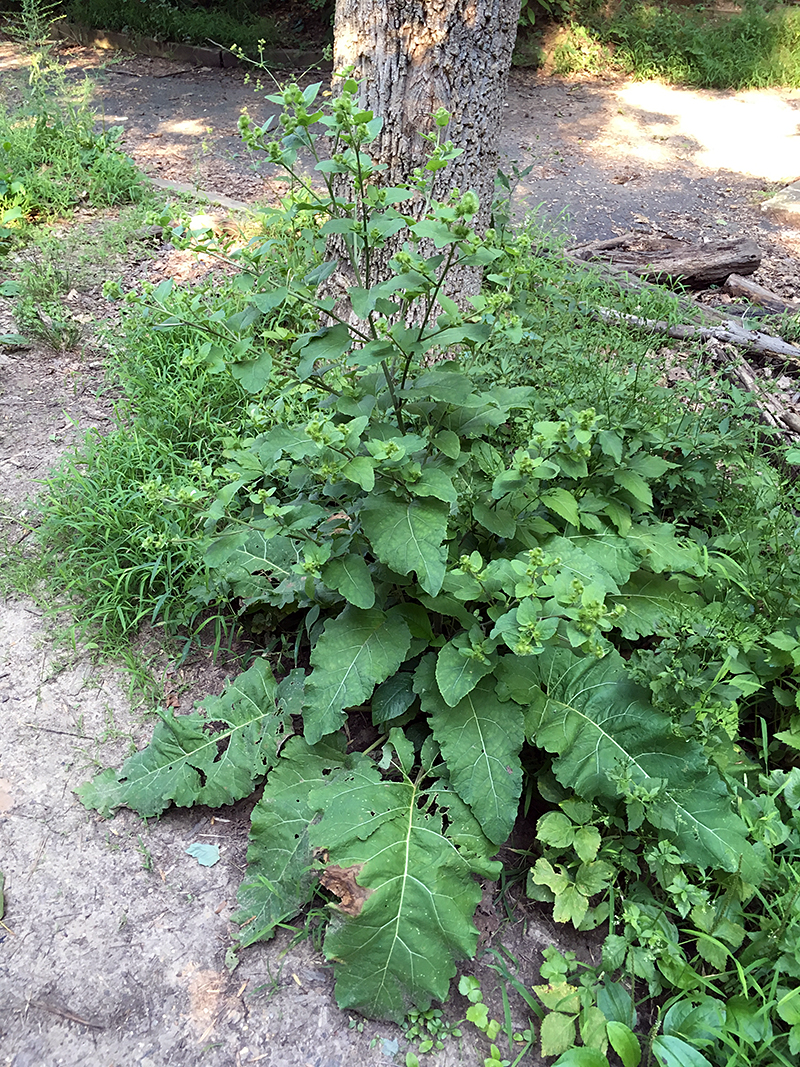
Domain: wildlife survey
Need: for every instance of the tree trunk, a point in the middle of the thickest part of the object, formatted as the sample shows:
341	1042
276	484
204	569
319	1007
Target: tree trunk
416	56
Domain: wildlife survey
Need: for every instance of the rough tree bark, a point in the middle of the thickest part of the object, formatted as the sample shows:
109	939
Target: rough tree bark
416	56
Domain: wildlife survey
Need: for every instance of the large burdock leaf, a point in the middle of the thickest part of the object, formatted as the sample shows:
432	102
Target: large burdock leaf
653	604
603	729
280	862
355	651
214	756
408	536
480	739
407	893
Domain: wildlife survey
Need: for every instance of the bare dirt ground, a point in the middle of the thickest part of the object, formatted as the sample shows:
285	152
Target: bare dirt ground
113	941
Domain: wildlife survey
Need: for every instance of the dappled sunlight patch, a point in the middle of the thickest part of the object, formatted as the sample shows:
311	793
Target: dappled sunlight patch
709	126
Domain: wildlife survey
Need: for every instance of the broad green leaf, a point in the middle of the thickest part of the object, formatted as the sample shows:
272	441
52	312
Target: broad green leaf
563	503
355	651
434	482
544	873
593	877
409	917
571	903
408	536
582	1057
652	603
556	830
576	562
400	750
450	607
280	875
624	1042
445	382
257	567
499	521
699	1024
615	949
611	444
393	697
436	231
615	1001
587	842
457	674
253	374
465	832
350	576
361	470
660	550
480	739
215	755
269	301
673	1052
612	553
448	443
328	345
557	1033
649	466
634	484
592	1027
597	721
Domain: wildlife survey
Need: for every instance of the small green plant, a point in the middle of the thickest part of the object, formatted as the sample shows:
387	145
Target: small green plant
32	24
51	157
429	1029
144	852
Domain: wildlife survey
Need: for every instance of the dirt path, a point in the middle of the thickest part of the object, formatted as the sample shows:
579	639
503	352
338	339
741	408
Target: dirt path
113	942
606	156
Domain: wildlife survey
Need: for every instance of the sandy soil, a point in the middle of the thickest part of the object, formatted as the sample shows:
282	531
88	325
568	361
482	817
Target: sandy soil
113	941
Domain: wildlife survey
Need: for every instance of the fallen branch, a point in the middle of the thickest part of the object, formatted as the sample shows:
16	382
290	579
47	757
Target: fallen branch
750	340
772	410
736	285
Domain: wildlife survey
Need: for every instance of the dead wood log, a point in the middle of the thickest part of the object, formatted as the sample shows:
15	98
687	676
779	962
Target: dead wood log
695	265
750	340
736	285
585	251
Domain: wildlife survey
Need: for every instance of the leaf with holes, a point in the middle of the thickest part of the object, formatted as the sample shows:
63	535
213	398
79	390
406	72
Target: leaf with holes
280	875
394	947
215	755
